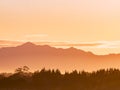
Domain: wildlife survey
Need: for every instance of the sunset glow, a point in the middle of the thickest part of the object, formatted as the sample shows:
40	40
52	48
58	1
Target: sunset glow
59	44
74	21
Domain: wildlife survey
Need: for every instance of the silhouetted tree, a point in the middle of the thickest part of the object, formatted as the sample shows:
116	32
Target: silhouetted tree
53	80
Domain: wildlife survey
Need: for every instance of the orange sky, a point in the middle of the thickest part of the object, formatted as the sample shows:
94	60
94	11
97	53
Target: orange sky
60	21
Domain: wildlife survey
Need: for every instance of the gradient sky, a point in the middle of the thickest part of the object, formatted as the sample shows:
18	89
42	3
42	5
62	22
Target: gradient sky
60	20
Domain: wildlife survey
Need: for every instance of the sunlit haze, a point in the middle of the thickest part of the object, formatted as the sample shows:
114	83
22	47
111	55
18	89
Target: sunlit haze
73	21
59	44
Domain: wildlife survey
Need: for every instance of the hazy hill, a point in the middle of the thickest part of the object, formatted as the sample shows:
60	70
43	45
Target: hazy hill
37	56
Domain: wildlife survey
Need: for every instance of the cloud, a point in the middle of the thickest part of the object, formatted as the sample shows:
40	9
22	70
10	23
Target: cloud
98	44
70	44
7	43
78	44
109	44
35	35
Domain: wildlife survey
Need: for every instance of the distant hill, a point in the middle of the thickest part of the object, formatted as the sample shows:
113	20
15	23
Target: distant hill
39	56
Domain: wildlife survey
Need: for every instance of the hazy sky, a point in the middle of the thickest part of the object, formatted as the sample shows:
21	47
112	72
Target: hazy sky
60	20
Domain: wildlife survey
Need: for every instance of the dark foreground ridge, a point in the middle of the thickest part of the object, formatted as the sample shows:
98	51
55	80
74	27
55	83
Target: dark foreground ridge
54	80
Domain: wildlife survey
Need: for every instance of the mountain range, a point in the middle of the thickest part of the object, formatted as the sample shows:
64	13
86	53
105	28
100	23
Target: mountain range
45	56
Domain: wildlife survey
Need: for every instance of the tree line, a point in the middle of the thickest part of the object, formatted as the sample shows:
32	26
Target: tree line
44	79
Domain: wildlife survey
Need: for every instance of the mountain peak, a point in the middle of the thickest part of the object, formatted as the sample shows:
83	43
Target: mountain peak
28	44
72	48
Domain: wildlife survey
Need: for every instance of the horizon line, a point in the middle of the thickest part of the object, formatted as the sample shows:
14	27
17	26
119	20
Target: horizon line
67	46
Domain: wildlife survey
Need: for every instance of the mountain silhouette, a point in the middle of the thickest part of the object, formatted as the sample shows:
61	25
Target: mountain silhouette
39	56
28	44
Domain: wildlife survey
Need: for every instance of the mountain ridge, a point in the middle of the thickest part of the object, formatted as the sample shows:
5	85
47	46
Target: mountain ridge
39	56
31	44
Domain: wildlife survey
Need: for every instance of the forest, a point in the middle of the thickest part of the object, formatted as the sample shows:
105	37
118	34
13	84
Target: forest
43	79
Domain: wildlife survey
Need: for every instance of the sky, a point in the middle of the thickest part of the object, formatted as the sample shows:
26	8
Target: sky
73	21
